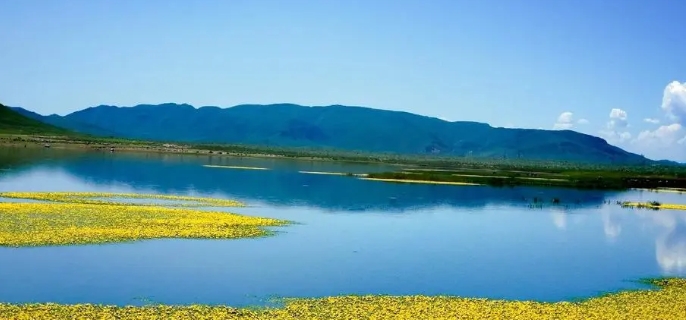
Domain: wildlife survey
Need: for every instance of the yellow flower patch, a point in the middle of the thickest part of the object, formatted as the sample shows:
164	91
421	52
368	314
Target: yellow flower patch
40	224
648	205
108	198
667	303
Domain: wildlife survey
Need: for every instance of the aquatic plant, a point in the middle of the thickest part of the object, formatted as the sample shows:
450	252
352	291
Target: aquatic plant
666	303
40	224
653	205
109	198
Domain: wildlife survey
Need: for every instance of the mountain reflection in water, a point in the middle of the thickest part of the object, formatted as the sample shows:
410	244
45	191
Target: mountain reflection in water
355	236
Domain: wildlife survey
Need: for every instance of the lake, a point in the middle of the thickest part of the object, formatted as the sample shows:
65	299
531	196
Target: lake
352	236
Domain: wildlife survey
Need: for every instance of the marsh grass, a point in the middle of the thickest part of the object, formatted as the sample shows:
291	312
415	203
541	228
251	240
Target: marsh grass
581	179
667	302
67	219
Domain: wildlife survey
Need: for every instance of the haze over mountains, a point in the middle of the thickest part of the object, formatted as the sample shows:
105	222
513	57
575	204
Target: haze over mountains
336	127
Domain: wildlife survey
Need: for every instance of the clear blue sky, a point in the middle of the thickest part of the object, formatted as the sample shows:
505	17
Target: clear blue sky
509	63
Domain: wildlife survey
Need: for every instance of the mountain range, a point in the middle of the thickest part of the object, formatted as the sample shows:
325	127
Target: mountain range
336	127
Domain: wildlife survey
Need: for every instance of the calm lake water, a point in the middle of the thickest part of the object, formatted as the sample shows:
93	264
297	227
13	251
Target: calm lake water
353	236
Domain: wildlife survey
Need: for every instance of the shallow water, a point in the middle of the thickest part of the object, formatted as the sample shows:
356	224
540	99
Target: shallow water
353	236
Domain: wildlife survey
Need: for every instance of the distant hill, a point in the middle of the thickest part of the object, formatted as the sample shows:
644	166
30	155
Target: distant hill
63	122
338	127
13	122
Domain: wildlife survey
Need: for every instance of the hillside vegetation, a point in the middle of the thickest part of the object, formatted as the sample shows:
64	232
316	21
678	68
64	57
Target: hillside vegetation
13	122
339	127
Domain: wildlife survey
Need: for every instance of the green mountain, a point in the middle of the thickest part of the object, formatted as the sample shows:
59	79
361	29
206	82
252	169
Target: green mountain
63	122
13	122
338	127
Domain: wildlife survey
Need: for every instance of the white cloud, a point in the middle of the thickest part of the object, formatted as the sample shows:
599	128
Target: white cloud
614	131
445	119
582	121
664	142
618	119
616	113
663	136
624	136
615	137
564	121
661	143
674	101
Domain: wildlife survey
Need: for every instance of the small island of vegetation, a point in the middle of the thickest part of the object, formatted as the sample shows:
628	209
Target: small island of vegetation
91	218
581	177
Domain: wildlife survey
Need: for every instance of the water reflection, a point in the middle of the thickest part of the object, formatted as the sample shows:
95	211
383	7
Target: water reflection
611	223
559	218
285	186
670	233
470	241
670	245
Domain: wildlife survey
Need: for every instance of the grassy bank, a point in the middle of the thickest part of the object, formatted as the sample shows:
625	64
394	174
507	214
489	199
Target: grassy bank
581	178
666	303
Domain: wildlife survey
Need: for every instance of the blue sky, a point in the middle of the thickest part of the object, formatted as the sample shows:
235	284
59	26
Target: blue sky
513	63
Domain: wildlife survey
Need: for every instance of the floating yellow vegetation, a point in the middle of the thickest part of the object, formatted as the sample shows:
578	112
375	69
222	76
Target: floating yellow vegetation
666	303
422	181
654	205
234	167
86	221
110	198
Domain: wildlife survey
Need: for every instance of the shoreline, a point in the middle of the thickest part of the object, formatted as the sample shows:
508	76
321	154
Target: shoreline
663	298
427	170
415	162
38	142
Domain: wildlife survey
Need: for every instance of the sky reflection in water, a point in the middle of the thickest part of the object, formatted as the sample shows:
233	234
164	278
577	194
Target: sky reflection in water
356	237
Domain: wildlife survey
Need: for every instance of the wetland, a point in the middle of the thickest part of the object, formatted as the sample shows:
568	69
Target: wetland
326	233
